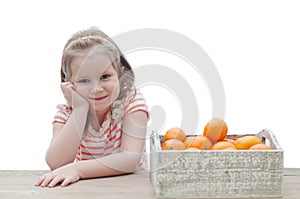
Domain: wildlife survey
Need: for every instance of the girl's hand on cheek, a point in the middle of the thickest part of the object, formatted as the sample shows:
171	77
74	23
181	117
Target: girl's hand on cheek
66	92
73	98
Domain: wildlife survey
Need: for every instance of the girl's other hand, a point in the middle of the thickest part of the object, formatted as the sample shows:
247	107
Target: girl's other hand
73	98
65	175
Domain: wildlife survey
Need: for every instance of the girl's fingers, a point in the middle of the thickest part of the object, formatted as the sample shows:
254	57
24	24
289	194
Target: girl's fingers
65	175
40	180
65	84
47	180
55	181
50	180
66	182
66	88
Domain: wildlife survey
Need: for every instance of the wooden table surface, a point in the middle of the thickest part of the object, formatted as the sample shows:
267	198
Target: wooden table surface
20	184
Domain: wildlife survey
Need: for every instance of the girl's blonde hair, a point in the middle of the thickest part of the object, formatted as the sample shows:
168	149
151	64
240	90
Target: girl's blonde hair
92	37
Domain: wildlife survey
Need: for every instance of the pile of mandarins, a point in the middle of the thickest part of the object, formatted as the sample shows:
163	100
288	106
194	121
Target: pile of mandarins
213	138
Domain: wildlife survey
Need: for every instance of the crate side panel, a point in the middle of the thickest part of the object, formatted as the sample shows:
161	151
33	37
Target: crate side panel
209	174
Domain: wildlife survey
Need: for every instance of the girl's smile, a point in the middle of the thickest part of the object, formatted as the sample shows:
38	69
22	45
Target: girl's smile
99	98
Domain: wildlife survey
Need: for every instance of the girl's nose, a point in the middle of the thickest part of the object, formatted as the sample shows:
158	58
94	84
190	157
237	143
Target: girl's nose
97	88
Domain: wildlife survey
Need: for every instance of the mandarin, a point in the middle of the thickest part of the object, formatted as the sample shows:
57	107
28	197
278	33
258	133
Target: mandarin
222	145
173	144
231	141
199	142
245	142
188	141
260	147
175	133
216	130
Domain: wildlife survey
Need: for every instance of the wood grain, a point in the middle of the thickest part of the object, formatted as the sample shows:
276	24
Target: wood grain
20	184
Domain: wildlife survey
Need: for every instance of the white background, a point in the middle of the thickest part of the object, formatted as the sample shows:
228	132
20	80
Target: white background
255	46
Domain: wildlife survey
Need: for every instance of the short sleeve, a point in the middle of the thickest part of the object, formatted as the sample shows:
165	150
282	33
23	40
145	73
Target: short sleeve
137	103
63	114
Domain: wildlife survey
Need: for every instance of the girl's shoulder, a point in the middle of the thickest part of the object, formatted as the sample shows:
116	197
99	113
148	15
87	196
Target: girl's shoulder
63	113
134	95
135	101
64	108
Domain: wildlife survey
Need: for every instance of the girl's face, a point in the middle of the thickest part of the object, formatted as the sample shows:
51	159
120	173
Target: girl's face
95	79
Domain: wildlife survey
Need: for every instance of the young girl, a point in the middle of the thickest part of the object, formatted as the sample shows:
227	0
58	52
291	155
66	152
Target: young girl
101	130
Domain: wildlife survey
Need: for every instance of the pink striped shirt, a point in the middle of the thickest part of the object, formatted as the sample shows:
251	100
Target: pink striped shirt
107	140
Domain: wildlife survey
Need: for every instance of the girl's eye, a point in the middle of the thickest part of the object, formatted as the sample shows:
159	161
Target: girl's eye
83	81
105	76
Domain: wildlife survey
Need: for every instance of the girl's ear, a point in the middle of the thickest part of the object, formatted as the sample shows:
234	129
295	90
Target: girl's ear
123	69
124	63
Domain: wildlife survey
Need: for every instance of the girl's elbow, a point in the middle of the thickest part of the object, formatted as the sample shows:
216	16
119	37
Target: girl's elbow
51	162
131	169
51	166
132	166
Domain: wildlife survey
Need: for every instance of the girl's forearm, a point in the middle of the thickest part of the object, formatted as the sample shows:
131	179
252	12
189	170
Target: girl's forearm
111	165
64	146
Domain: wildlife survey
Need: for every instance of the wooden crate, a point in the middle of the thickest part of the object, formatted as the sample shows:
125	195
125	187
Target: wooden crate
217	174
